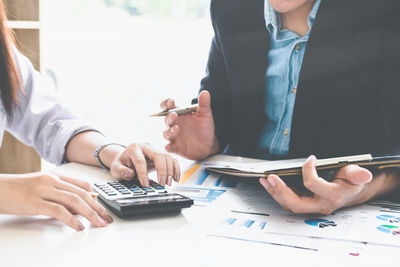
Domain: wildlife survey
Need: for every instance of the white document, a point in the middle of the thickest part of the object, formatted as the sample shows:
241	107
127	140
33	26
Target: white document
249	206
252	229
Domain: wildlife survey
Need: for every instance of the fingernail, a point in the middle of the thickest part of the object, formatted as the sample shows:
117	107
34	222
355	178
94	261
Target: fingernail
271	181
128	174
146	182
160	181
164	179
80	227
172	130
169	180
101	222
109	219
176	178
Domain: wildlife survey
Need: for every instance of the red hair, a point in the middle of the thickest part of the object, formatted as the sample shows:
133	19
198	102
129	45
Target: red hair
10	81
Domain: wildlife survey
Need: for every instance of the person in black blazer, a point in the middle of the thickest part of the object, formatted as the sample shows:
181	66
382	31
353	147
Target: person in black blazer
346	101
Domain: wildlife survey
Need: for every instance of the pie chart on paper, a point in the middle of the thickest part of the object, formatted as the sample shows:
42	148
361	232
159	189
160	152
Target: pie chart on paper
389	229
320	223
388	218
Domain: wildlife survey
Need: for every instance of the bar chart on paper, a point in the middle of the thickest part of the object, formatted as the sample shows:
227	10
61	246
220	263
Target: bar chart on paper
253	228
199	194
257	224
197	175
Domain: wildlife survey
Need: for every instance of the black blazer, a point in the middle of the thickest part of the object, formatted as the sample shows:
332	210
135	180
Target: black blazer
348	95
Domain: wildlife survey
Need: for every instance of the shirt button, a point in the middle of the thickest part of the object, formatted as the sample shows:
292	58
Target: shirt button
297	47
294	90
286	132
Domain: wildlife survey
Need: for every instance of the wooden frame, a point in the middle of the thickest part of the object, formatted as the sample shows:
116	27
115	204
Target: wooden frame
24	19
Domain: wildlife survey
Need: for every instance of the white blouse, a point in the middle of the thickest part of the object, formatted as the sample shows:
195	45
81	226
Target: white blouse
40	120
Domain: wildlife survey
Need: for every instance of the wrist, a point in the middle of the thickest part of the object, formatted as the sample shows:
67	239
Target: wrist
106	153
215	146
6	194
382	184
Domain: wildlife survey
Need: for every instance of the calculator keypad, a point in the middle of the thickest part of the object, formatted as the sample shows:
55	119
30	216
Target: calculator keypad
115	190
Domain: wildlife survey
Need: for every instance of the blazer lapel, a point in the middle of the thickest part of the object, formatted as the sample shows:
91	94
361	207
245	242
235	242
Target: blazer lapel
250	51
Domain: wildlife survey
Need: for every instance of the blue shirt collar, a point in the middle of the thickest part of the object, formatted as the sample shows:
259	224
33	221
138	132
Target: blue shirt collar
273	18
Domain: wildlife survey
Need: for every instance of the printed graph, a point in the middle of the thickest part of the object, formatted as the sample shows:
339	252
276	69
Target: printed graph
199	194
199	176
389	229
320	223
245	223
388	218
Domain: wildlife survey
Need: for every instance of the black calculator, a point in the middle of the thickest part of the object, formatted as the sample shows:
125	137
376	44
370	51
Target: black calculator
129	198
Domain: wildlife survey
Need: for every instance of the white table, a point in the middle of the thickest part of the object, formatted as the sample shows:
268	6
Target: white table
167	240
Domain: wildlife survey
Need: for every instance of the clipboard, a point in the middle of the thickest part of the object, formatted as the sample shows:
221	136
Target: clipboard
246	167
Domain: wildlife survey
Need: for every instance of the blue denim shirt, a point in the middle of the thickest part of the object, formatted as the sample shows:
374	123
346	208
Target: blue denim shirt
285	58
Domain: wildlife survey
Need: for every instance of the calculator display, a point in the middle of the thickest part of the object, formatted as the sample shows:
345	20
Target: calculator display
148	199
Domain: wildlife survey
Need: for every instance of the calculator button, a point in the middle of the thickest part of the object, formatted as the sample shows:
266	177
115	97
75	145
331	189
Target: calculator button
112	194
126	193
123	191
159	187
139	193
148	189
109	191
134	189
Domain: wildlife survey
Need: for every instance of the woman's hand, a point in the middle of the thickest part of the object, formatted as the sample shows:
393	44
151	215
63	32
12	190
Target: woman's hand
124	163
139	159
351	185
50	195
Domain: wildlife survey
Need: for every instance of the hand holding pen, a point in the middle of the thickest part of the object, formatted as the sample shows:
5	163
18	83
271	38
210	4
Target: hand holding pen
190	131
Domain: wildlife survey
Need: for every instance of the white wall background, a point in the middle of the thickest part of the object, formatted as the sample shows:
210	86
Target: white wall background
113	69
